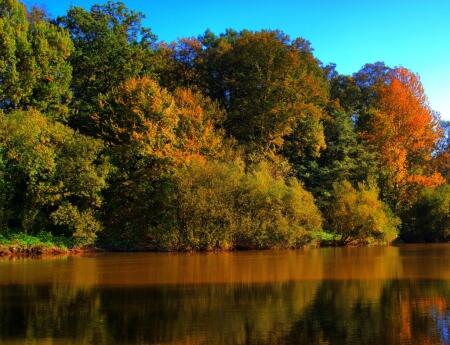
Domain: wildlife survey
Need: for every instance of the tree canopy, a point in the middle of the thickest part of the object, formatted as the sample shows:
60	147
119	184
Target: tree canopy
242	139
34	63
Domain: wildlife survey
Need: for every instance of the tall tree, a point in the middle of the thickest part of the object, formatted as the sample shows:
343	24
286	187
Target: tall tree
345	91
111	46
16	65
269	85
404	130
34	67
151	134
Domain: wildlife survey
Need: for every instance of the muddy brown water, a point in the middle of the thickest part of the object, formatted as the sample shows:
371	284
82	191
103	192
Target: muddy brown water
379	295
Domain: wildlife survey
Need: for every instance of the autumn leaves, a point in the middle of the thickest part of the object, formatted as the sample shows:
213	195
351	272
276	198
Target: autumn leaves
242	140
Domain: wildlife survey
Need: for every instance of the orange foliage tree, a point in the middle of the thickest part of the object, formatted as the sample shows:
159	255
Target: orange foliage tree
404	131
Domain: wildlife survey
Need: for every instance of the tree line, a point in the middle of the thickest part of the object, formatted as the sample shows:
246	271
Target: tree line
239	140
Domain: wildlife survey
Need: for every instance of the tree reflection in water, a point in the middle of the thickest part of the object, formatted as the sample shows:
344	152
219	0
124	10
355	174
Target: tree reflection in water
397	302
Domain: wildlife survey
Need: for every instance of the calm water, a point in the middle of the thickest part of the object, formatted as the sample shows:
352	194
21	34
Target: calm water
396	295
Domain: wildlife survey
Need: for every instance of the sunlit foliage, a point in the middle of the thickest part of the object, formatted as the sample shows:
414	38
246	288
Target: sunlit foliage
220	206
111	46
53	177
222	141
357	214
34	67
269	84
404	131
152	133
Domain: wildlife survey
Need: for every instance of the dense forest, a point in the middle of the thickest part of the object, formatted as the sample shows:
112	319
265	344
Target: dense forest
243	140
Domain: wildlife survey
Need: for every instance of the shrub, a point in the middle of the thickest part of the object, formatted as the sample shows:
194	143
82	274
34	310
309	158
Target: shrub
220	206
428	220
358	215
274	212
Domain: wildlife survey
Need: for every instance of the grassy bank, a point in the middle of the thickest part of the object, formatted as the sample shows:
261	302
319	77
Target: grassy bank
14	244
20	244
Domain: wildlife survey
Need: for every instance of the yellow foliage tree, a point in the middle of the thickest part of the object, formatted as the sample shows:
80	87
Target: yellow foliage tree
141	114
358	215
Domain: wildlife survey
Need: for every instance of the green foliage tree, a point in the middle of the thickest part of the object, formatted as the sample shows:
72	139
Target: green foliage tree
52	47
56	176
267	90
356	94
111	46
346	92
34	67
345	158
16	67
201	212
357	215
5	191
428	220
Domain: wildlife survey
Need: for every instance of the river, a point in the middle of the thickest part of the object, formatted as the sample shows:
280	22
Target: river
378	295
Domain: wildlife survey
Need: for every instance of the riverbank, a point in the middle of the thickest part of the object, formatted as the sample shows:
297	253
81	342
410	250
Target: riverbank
24	245
45	244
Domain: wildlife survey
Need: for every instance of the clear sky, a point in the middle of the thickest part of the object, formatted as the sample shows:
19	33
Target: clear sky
350	33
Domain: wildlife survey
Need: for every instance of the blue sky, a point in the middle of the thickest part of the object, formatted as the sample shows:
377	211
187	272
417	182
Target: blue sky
411	33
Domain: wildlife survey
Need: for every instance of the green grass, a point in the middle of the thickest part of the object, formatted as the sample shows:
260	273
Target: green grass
325	239
41	243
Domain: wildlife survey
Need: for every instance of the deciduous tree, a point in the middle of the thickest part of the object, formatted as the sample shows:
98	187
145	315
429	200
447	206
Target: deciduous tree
111	46
403	129
54	176
152	134
34	67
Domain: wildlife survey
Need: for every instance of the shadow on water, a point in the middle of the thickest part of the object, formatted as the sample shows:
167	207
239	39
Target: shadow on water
359	296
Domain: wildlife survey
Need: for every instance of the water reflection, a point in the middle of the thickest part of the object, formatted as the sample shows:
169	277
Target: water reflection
332	296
